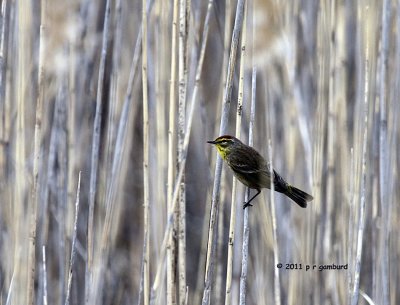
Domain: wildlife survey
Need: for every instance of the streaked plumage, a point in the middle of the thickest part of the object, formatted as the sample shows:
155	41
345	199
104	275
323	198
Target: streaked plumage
250	168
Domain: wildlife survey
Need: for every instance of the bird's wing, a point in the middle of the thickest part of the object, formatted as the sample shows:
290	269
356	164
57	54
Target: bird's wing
246	164
245	168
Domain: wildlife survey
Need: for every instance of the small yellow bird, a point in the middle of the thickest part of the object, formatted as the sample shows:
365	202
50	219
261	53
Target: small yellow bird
250	168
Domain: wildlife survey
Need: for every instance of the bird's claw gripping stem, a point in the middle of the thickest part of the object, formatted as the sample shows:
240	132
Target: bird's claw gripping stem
247	204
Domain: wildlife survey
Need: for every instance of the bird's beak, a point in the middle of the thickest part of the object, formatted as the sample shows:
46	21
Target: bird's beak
211	142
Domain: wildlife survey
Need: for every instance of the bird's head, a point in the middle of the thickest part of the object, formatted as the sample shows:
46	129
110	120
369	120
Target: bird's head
225	144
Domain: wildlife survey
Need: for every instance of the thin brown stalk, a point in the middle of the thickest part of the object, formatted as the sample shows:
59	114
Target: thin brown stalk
60	183
277	293
139	299
314	231
218	167
146	178
350	237
361	219
37	159
181	211
171	250
202	261
220	273
21	286
331	138
367	298
96	137
73	247
162	47
4	34
111	119
383	157
44	275
10	290
246	227
232	222
71	141
219	278
225	58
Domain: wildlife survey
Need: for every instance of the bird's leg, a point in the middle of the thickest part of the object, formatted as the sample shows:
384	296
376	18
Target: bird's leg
247	204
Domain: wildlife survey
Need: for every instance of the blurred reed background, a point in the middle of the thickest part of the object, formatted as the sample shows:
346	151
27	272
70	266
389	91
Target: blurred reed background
107	183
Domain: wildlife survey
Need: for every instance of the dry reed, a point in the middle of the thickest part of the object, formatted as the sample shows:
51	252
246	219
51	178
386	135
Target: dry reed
156	216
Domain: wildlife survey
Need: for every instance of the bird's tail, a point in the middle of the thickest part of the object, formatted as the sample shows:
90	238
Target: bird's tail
297	195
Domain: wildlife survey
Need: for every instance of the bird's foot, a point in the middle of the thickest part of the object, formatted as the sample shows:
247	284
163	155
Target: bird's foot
247	204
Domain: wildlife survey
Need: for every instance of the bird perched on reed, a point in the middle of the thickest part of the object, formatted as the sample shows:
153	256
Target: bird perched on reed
250	168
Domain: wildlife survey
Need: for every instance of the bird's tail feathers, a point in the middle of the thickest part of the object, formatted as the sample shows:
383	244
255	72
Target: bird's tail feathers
297	195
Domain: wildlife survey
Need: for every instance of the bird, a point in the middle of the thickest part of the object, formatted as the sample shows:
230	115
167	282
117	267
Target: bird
251	169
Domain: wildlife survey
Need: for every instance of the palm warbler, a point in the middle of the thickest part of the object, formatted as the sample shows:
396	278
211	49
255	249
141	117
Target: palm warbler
250	168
